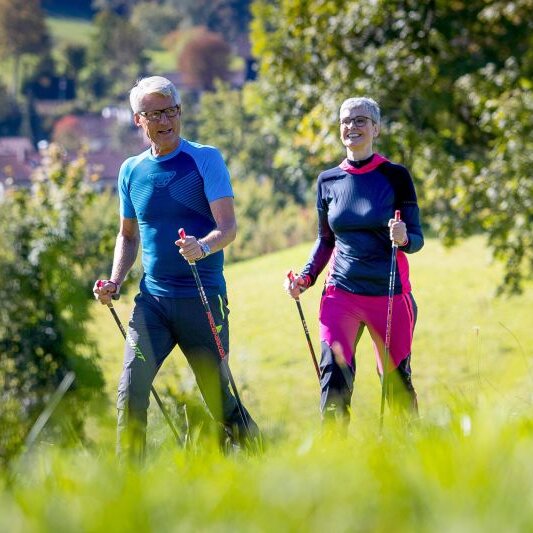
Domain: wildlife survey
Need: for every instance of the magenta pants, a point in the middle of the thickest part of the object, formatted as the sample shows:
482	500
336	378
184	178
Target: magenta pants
344	315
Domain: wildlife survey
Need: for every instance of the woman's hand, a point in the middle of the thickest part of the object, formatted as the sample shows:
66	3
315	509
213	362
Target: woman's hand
398	232
295	284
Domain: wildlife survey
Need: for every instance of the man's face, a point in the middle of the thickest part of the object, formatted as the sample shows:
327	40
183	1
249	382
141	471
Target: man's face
357	130
162	130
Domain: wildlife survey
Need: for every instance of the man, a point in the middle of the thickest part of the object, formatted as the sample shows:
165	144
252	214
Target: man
174	184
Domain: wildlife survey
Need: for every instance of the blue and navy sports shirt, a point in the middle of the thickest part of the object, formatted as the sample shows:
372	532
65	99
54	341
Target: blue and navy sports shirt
171	192
354	207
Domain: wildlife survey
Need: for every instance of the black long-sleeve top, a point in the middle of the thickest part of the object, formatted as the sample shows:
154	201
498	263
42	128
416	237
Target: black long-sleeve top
354	207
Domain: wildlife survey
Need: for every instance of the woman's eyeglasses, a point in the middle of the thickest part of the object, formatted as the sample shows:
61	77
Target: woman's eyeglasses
360	122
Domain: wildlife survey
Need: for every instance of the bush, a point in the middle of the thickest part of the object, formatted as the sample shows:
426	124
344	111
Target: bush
47	270
266	221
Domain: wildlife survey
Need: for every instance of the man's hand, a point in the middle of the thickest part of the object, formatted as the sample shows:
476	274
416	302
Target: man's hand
190	248
104	289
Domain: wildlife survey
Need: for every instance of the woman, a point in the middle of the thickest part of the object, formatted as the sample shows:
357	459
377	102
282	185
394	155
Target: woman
356	201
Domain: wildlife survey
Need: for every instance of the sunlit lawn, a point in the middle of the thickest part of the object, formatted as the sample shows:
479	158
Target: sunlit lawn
69	30
466	466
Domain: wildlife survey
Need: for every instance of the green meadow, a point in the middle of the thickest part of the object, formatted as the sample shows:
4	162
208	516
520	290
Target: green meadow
465	466
69	30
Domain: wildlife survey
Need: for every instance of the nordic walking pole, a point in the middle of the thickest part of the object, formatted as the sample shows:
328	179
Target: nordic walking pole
218	342
140	355
385	363
49	409
290	275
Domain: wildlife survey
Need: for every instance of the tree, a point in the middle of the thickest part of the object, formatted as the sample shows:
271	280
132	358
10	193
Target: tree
230	18
115	59
74	59
204	58
268	219
50	257
66	132
22	31
444	74
10	113
155	21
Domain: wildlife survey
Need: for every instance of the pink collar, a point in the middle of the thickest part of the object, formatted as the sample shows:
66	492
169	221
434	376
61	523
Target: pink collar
376	161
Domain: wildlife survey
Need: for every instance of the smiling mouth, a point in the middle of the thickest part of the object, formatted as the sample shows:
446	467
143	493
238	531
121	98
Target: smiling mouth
165	131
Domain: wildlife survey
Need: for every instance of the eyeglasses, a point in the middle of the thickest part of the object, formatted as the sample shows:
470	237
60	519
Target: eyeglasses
360	121
154	116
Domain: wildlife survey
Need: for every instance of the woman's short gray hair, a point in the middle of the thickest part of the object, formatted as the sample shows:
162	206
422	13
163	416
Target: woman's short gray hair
368	104
152	85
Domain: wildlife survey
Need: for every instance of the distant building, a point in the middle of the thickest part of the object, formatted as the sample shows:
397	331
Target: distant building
108	139
104	152
18	159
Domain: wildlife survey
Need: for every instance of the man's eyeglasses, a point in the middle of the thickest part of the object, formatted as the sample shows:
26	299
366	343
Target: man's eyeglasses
154	116
360	121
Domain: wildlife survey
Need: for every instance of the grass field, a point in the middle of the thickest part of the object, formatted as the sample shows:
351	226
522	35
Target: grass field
75	30
70	30
465	466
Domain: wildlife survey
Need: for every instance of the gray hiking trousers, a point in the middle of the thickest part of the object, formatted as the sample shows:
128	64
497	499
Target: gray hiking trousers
156	326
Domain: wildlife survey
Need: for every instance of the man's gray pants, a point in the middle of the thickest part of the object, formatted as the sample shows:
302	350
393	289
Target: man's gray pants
156	326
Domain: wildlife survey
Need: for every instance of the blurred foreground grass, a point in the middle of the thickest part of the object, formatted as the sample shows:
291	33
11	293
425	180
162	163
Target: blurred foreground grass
466	466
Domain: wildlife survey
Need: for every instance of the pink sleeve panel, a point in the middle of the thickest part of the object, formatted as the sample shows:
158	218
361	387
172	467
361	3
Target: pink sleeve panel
403	270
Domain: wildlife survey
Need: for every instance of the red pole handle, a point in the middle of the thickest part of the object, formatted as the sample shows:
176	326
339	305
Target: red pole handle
114	296
397	215
290	275
182	234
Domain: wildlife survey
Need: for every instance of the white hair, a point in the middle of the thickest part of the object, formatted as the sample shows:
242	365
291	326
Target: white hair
368	104
152	85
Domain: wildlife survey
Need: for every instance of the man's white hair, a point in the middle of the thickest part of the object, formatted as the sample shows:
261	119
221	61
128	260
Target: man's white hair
152	85
368	104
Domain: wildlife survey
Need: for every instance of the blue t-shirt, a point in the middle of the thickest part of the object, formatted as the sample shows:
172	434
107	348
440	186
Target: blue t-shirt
167	193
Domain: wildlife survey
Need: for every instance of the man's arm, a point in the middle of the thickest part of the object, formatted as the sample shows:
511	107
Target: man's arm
223	234
126	248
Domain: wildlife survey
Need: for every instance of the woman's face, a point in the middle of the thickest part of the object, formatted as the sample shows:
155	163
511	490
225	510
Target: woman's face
357	130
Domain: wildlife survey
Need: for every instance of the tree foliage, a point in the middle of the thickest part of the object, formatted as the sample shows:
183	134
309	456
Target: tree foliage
115	58
10	113
227	17
51	256
155	21
66	132
268	219
204	58
453	80
22	31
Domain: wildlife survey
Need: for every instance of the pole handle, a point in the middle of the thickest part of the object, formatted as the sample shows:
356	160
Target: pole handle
115	296
396	219
290	275
182	235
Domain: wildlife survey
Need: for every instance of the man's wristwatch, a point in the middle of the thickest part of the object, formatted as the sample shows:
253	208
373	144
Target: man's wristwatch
205	249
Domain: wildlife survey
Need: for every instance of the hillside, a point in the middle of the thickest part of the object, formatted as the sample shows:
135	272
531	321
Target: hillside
465	466
467	344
